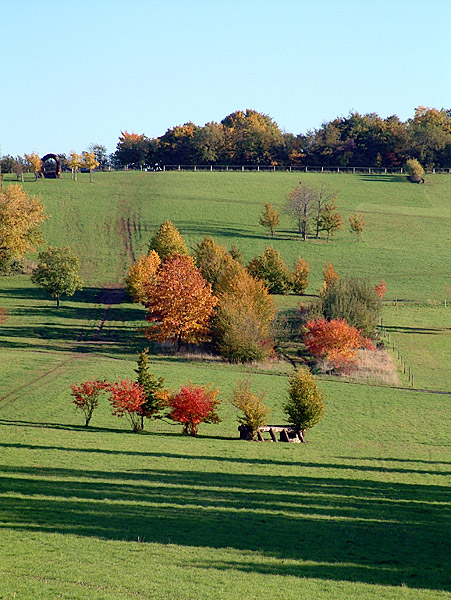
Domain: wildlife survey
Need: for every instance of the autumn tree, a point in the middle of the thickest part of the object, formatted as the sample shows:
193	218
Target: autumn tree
329	275
100	153
336	341
251	404
90	162
330	219
86	396
299	205
380	289
193	405
300	276
141	274
152	386
126	399
57	272
74	162
270	218
180	303
3	315
35	163
131	149
305	405
356	224
167	241
244	319
21	215
272	270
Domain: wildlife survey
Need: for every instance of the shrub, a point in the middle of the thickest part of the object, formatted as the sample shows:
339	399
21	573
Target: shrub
304	407
270	268
414	168
300	276
127	398
86	396
269	218
354	300
192	405
242	327
142	273
167	241
334	340
255	414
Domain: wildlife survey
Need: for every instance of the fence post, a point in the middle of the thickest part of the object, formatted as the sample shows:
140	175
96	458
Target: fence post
164	167
258	167
178	168
242	169
290	168
306	169
211	167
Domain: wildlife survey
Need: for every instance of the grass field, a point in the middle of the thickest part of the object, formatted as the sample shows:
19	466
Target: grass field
362	511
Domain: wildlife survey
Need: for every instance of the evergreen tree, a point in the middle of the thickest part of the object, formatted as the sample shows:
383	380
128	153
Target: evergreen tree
152	386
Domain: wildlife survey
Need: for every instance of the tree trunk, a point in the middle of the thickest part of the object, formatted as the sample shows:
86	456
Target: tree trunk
179	342
90	175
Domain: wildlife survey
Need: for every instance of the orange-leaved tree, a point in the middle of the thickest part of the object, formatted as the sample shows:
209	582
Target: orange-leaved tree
381	288
180	303
141	274
329	275
335	340
192	405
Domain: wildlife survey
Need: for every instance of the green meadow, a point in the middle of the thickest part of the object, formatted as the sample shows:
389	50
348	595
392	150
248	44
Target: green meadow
362	511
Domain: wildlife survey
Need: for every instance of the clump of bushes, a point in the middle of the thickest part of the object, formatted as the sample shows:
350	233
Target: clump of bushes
415	170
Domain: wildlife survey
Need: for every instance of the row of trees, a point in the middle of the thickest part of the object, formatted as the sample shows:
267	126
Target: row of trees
191	405
252	138
313	210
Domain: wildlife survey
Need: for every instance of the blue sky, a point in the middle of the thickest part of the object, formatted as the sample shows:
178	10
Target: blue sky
80	72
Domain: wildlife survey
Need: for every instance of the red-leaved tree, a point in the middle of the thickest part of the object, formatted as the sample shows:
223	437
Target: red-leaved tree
126	398
336	341
86	396
3	314
192	405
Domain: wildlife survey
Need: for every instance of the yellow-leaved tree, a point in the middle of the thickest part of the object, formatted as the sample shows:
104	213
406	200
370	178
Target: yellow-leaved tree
35	163
142	274
89	162
21	215
74	162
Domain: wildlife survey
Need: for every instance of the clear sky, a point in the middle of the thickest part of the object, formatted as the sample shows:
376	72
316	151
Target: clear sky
75	73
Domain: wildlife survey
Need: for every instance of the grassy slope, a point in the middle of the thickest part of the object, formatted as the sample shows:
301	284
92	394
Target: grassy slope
356	512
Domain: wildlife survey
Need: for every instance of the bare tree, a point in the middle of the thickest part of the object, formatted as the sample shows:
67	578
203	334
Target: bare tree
300	205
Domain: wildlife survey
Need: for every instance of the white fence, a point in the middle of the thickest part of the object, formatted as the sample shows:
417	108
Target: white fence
296	169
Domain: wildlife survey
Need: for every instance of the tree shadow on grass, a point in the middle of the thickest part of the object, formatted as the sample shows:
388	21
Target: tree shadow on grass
420	330
202	457
386	178
347	529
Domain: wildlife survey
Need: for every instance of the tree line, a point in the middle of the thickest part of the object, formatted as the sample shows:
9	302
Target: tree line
252	138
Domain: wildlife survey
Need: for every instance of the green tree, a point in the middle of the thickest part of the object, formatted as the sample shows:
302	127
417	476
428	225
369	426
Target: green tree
354	300
415	170
330	220
272	270
270	218
57	272
167	241
153	388
305	405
